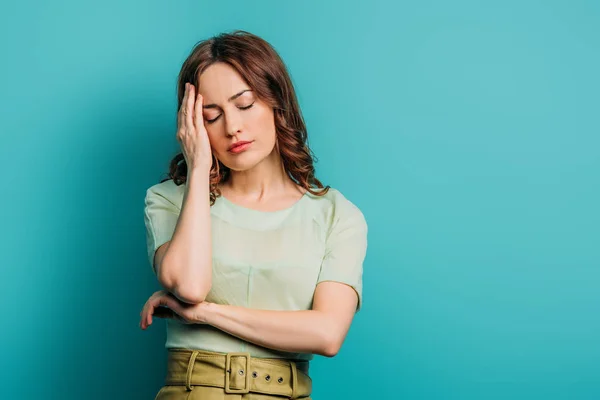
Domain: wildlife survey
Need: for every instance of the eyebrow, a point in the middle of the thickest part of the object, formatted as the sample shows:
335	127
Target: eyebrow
235	96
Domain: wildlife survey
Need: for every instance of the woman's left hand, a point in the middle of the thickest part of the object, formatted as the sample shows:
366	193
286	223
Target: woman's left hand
163	304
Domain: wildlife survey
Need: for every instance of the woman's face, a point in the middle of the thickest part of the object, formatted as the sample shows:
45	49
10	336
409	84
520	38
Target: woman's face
233	113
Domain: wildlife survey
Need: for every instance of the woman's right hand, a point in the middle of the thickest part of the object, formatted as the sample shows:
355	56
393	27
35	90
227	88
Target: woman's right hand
191	133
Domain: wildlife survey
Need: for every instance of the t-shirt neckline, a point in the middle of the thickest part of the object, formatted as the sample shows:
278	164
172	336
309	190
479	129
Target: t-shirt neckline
248	210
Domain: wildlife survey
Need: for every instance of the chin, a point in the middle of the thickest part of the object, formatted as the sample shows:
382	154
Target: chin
242	162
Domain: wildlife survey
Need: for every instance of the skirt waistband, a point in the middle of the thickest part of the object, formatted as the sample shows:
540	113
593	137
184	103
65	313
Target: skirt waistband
238	372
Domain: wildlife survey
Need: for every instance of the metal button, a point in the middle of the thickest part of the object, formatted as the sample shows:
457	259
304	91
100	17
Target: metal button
254	374
241	372
280	380
268	378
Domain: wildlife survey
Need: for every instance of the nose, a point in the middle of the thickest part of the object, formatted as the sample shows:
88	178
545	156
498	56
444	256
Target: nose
233	123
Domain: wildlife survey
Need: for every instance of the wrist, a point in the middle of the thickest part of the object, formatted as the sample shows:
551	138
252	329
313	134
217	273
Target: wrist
207	312
201	171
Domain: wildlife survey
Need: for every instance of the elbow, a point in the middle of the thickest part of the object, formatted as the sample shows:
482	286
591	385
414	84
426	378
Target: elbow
331	345
331	349
191	293
191	298
188	292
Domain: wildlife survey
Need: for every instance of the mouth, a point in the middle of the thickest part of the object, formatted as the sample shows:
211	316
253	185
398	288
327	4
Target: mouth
239	146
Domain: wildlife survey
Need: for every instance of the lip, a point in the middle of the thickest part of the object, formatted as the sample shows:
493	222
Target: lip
240	146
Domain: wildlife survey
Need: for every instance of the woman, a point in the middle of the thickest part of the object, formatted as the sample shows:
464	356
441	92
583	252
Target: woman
260	269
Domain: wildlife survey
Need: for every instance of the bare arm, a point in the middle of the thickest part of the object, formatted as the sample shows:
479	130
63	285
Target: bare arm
184	267
321	330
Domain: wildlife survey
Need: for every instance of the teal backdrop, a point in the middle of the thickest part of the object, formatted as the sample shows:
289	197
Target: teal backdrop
468	133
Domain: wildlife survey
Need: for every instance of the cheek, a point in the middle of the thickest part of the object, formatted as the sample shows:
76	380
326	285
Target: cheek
262	123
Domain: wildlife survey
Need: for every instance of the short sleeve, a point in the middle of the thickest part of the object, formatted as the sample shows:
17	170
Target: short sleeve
346	249
161	213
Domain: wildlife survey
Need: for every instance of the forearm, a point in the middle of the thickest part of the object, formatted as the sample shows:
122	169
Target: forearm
307	331
186	269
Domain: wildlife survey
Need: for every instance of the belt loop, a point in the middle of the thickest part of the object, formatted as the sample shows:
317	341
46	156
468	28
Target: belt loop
190	369
294	380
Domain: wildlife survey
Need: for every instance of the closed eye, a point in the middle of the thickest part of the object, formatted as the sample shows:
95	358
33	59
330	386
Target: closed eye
210	121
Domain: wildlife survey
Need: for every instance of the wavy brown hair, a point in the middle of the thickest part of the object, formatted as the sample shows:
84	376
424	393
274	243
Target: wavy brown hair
265	72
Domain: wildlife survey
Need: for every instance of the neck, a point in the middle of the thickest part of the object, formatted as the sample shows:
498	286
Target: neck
266	179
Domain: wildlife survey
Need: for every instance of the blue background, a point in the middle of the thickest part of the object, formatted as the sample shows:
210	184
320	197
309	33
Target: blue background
466	131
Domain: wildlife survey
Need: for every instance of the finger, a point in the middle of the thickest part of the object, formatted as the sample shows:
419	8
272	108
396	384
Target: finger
149	314
144	318
143	323
161	311
190	107
149	309
180	114
143	315
198	117
160	304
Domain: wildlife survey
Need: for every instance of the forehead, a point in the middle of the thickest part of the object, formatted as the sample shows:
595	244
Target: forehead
220	81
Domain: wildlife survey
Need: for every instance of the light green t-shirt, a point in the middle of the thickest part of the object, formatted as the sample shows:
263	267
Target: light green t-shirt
264	260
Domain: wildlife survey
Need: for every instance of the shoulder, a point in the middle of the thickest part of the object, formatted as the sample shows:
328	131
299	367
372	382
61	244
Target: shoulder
166	191
336	201
336	210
